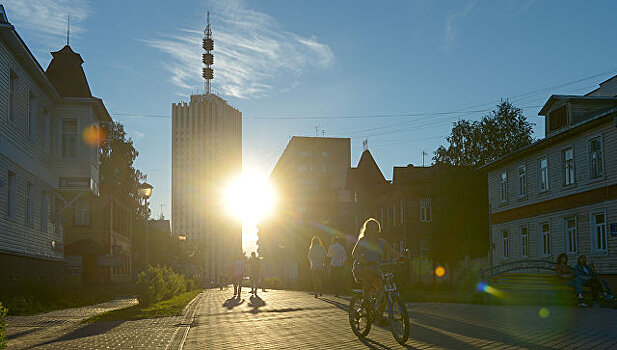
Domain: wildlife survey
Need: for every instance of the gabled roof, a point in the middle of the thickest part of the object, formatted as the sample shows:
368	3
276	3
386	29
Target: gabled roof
67	75
367	171
574	98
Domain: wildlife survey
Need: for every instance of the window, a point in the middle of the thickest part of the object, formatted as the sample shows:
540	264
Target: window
596	166
402	213
425	210
557	118
401	247
13	80
44	210
32	114
522	181
506	245
544	174
524	242
567	156
571	235
324	154
546	239
11	196
29	204
82	212
69	138
598	231
504	186
44	124
394	214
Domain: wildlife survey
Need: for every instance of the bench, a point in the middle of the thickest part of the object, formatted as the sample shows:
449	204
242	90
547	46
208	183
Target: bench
525	282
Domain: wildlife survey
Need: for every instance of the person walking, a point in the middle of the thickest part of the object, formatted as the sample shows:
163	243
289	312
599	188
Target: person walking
317	255
338	256
238	272
254	272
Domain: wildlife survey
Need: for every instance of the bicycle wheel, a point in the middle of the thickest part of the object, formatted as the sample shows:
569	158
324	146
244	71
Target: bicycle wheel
399	320
359	319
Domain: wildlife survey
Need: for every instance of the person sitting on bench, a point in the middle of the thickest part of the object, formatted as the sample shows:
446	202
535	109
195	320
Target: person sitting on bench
566	275
588	276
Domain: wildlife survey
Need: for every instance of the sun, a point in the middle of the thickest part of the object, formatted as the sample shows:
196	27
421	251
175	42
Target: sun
250	197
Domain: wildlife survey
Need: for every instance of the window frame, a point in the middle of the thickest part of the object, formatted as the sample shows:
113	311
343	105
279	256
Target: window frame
503	186
82	212
524	248
505	244
12	95
62	143
568	240
426	214
593	227
564	168
29	201
542	171
589	154
546	242
11	195
522	181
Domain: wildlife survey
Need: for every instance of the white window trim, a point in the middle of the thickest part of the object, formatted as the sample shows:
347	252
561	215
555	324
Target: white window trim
548	181
526	245
566	236
505	241
523	193
503	187
592	230
425	209
563	166
588	141
541	245
77	139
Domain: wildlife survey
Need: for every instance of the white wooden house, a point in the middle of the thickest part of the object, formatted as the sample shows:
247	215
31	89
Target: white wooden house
560	193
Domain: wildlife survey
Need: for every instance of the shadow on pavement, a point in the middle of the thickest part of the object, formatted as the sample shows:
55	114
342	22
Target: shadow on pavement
83	332
20	334
232	302
255	302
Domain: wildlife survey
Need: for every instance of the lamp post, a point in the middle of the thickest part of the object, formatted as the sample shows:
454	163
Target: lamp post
145	191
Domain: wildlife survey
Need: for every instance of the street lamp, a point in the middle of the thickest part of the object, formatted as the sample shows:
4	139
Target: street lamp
145	191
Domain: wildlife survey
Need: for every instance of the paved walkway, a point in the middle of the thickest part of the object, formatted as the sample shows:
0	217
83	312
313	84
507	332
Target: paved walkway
296	320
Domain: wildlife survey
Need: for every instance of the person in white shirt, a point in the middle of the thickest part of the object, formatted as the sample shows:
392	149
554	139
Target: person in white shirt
238	272
337	256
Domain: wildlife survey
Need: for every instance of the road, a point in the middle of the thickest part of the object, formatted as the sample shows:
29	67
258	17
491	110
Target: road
297	320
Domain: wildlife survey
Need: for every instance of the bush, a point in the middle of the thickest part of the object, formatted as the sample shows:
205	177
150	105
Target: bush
163	284
3	312
273	283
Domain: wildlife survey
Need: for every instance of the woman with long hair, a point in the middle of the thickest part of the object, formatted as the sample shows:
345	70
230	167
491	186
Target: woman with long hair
368	252
316	255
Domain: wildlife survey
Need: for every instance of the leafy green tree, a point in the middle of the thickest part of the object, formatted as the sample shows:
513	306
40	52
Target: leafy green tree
3	312
475	143
117	165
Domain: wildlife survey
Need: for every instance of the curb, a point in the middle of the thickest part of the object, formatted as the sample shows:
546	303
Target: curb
177	342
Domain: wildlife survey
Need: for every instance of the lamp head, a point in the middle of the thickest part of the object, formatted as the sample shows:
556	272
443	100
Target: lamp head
145	190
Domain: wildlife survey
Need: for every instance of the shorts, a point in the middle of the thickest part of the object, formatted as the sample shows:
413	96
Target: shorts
360	272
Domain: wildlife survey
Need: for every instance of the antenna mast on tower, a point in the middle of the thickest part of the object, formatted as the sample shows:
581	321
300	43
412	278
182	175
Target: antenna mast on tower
208	57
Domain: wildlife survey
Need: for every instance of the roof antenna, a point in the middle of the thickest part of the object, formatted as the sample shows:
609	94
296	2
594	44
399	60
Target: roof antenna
68	28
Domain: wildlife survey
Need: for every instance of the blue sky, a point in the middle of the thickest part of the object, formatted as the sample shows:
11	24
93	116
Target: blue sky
331	60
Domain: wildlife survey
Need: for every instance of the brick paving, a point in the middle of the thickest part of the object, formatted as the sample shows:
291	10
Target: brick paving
297	320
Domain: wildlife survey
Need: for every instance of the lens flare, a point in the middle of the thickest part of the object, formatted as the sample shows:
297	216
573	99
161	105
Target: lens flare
93	135
544	312
483	287
440	271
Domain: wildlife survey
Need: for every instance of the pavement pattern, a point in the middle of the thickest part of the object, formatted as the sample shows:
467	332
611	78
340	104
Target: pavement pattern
297	320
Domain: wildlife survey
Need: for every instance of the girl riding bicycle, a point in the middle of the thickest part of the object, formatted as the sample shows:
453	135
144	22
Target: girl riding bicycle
368	252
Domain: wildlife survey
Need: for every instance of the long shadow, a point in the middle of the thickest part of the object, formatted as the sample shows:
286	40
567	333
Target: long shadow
83	332
255	302
17	335
232	302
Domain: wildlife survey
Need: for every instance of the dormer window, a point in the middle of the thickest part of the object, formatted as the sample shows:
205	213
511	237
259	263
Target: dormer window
557	119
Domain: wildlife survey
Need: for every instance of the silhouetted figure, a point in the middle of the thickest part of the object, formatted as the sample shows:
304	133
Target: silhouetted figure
338	256
239	270
567	275
588	276
254	272
317	255
368	252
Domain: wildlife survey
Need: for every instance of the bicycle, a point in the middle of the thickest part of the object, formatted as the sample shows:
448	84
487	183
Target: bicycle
361	319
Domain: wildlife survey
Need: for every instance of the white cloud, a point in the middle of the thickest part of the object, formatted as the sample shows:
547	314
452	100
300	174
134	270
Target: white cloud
253	55
46	20
138	135
454	21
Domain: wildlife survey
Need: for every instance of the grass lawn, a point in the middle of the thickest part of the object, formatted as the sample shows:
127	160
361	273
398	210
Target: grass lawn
163	308
49	298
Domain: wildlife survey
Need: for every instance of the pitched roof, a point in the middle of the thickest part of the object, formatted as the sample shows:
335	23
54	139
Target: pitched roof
367	171
67	75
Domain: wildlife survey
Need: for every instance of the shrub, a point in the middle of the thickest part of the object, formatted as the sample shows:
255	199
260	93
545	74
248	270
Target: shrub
3	312
274	283
163	284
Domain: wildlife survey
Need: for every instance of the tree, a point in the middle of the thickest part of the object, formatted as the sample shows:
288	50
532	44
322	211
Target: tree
116	166
475	143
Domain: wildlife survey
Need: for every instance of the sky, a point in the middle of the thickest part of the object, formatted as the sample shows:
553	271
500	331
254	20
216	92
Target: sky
396	73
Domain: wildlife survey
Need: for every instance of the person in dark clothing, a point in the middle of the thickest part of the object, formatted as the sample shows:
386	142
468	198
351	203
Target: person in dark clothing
588	277
567	275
